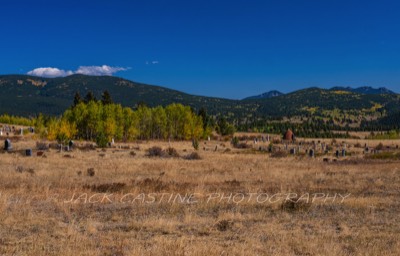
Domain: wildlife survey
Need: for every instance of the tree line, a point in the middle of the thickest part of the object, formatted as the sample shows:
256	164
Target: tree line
103	121
16	120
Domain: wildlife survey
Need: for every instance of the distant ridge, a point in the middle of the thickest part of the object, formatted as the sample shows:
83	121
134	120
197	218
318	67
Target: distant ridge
360	90
266	95
28	96
364	90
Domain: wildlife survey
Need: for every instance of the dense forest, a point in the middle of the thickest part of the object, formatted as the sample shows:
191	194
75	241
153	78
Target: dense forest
28	96
103	121
154	111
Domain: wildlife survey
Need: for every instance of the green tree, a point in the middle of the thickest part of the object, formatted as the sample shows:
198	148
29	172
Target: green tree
40	126
130	125
90	97
93	120
65	131
224	128
176	117
106	98
159	123
77	99
143	114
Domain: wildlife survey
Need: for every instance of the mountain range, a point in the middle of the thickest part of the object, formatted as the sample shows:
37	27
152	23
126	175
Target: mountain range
28	96
360	90
364	90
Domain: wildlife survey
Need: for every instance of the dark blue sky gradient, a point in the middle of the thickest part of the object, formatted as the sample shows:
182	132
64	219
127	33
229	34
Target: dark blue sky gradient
229	49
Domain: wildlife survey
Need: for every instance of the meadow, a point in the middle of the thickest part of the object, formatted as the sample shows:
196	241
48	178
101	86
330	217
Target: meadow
231	201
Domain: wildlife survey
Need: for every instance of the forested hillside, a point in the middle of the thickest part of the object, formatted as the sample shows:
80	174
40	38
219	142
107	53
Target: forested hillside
338	108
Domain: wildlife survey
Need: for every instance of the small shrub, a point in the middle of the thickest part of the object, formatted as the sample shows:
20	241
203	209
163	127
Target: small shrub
21	169
172	152
195	144
132	153
270	147
42	146
152	184
86	147
384	156
102	140
235	141
224	225
155	152
30	171
276	141
380	146
193	156
226	138
55	146
107	187
232	183
243	145
279	154
295	205
90	172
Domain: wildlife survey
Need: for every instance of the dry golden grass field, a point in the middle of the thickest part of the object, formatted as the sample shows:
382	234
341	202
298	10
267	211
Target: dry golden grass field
119	201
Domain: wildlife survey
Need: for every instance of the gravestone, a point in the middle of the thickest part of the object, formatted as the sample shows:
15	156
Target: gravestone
28	152
7	145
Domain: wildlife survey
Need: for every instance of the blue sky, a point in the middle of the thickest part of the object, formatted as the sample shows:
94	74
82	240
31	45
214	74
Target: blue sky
230	49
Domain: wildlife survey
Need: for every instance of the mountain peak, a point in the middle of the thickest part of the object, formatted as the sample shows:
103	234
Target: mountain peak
266	95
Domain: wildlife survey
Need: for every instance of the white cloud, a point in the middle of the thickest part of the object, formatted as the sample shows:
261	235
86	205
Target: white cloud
153	62
49	72
84	70
99	70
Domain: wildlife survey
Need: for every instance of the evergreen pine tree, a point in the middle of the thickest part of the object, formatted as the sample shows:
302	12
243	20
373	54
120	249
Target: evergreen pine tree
106	98
77	99
90	97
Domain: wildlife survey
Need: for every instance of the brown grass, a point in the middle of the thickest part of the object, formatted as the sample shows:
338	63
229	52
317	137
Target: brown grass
36	220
